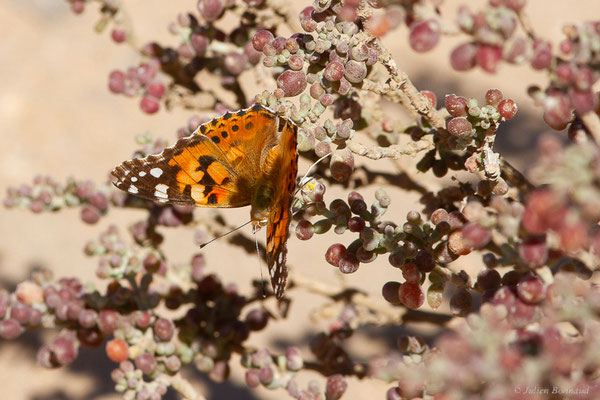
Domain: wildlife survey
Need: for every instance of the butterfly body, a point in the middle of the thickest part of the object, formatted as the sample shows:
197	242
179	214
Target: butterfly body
244	158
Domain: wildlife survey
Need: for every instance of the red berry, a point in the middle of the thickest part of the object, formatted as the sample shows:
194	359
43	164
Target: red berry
149	104
117	350
456	243
461	302
348	263
292	82
462	57
390	292
475	236
487	57
460	127
304	230
411	295
90	214
507	109
10	329
64	349
424	35
542	54
355	71
456	105
431	96
155	89
493	97
146	363
488	279
118	35
334	254
557	111
116	81
211	10
235	63
333	71
530	289
163	329
410	272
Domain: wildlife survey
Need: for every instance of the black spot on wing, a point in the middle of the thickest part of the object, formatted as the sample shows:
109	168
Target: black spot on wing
215	139
212	199
226	116
207	181
235	128
249	125
224	135
203	128
281	126
204	162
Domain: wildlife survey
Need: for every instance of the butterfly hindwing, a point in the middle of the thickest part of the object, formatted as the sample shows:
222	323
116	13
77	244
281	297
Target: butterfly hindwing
278	226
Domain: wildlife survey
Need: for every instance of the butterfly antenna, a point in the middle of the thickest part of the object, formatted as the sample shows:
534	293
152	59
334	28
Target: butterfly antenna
262	280
224	234
304	181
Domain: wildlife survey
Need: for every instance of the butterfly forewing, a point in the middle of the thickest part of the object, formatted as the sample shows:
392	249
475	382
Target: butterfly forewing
214	167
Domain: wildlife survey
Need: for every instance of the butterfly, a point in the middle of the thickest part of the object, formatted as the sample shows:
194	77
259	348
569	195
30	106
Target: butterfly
248	157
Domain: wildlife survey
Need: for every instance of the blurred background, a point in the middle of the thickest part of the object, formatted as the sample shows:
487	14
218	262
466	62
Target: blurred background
58	118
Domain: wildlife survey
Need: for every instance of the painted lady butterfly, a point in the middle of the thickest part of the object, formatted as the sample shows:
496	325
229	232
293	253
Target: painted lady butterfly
248	157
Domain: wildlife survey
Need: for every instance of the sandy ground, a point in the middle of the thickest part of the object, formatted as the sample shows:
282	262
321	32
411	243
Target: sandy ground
58	118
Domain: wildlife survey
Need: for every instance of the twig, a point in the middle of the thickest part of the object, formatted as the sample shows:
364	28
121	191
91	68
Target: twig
185	388
394	151
399	81
383	312
515	177
592	123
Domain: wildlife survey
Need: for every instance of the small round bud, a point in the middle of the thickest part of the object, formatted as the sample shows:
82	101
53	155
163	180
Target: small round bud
348	263
304	230
390	292
507	109
163	329
292	82
411	295
355	71
456	105
424	35
211	10
462	57
460	127
493	97
334	254
146	363
334	71
487	57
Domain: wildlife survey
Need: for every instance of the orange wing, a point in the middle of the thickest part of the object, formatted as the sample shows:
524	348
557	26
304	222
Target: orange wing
280	217
216	166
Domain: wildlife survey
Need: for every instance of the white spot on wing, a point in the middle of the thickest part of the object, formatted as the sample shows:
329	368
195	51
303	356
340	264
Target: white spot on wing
142	173
161	191
156	172
133	179
132	189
